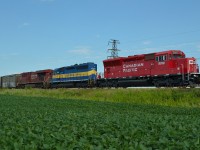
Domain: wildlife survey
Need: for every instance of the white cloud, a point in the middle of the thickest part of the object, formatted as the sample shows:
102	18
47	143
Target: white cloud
25	24
8	56
147	42
97	36
81	51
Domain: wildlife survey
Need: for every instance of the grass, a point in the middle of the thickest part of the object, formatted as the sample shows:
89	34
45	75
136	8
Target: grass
38	120
163	97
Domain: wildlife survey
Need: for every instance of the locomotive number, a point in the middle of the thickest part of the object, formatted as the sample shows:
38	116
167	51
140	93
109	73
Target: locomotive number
33	76
161	63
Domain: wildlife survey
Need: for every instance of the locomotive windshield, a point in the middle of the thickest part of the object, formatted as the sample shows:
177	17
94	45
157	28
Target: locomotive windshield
176	56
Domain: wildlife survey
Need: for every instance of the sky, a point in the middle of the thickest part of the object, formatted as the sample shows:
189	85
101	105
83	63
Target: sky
48	34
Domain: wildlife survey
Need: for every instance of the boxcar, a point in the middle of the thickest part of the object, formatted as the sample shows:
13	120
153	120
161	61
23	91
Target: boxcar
9	81
78	75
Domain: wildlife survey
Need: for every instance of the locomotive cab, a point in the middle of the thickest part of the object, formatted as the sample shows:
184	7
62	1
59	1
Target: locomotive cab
175	55
178	67
168	63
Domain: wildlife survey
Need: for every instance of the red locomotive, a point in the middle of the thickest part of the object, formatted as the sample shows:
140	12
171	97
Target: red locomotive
39	79
167	68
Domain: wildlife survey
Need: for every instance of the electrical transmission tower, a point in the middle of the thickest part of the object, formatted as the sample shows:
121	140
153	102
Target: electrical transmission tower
114	50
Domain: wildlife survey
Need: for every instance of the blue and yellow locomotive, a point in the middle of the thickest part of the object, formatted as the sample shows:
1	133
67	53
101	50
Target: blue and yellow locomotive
78	75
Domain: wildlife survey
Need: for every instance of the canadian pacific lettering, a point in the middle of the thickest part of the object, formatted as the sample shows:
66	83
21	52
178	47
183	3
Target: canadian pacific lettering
132	67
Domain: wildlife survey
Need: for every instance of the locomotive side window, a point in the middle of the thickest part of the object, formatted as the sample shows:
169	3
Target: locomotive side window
161	58
157	58
164	57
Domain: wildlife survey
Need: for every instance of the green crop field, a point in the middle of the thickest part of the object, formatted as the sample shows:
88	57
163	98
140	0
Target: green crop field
100	119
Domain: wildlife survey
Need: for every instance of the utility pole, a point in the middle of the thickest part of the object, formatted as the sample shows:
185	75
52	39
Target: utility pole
114	50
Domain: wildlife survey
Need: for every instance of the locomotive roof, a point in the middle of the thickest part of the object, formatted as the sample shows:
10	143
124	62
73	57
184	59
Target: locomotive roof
170	52
115	59
47	70
75	65
39	71
141	56
16	74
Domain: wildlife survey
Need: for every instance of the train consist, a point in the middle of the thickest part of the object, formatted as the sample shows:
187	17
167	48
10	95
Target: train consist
167	69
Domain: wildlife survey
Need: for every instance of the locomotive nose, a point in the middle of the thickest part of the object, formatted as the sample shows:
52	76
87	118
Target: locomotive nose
192	61
192	65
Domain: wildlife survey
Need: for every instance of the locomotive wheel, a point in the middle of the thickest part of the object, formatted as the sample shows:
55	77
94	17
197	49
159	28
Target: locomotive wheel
156	84
192	84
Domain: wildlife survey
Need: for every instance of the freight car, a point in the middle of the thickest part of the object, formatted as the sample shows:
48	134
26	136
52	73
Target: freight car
78	75
167	68
38	79
9	81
